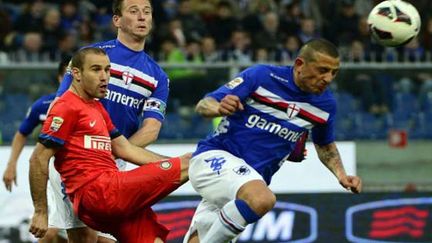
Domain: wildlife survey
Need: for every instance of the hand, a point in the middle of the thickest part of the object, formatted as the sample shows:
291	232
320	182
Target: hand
230	104
39	225
9	178
352	183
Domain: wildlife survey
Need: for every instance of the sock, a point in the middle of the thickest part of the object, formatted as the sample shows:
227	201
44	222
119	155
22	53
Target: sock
232	220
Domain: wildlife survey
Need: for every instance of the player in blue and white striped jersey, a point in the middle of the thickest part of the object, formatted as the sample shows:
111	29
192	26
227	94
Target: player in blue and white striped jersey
266	111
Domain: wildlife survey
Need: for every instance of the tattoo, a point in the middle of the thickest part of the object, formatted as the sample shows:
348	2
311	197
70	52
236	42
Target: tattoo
329	156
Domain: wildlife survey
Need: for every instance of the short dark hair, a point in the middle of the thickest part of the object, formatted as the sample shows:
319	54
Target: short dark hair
118	5
318	45
79	57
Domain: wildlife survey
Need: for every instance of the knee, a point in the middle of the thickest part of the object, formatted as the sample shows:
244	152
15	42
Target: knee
263	203
258	196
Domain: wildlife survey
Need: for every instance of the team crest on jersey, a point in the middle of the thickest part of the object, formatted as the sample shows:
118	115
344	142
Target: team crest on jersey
242	170
165	165
127	77
153	104
56	123
292	110
234	83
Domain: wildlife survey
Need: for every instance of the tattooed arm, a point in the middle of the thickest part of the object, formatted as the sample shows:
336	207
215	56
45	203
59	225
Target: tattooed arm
329	156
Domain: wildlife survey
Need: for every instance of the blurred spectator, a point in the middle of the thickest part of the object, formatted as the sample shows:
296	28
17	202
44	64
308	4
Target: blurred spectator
50	32
31	17
426	35
251	22
345	23
289	51
86	33
209	52
5	27
261	55
269	37
308	30
67	45
31	49
239	49
356	52
223	24
70	17
412	51
291	17
194	27
372	49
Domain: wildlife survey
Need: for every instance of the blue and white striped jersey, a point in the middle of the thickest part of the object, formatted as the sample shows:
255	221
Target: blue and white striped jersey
138	87
276	114
36	114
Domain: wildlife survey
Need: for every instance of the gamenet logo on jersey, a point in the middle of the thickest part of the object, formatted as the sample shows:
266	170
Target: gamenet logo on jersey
97	142
395	220
287	222
271	127
124	99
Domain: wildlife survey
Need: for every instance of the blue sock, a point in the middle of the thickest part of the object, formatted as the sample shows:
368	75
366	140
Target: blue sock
248	214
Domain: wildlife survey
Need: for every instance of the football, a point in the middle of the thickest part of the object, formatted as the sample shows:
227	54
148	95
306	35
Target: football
394	22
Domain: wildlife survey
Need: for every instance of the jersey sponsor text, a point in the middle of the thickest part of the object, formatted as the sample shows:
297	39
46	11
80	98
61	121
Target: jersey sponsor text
271	127
97	142
123	99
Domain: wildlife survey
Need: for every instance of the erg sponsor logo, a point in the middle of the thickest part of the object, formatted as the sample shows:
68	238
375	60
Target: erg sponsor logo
393	220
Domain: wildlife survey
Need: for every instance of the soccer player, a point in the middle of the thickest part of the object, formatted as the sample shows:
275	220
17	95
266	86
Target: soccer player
138	88
79	132
267	109
36	115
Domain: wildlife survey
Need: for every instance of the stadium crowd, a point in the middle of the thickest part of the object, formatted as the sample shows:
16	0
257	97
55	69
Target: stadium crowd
206	31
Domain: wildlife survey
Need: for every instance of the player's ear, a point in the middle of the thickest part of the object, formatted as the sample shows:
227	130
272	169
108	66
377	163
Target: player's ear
298	62
115	20
76	74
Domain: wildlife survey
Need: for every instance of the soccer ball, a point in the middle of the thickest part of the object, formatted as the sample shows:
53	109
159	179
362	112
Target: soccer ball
394	22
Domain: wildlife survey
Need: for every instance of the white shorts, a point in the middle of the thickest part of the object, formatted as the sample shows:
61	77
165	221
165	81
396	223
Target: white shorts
217	176
61	214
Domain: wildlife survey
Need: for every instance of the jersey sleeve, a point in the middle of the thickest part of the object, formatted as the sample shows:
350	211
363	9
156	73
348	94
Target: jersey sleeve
155	105
242	86
113	131
59	125
65	83
324	134
31	120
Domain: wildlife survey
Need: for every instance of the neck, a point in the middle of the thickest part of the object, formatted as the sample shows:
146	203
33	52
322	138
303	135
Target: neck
81	93
130	42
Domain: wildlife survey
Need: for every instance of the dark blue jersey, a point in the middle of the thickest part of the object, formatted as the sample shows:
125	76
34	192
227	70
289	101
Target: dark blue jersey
36	114
138	87
276	113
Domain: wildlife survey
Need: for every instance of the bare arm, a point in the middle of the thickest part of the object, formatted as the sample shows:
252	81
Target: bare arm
147	134
329	156
122	148
9	176
38	183
209	107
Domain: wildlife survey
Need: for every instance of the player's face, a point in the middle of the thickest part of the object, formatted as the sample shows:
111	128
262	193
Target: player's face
95	75
136	20
315	76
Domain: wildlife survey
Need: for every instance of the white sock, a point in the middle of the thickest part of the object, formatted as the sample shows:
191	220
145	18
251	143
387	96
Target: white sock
229	224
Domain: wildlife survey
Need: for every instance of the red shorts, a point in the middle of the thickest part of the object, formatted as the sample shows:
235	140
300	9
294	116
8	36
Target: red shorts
119	202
